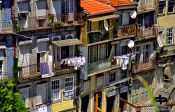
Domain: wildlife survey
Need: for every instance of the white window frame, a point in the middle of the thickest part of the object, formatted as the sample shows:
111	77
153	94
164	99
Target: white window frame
169	35
69	91
56	93
1	68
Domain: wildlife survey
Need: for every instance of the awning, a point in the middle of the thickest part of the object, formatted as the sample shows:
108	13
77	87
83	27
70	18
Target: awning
103	17
67	42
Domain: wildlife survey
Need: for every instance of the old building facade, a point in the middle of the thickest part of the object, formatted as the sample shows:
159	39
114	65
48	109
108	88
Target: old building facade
86	55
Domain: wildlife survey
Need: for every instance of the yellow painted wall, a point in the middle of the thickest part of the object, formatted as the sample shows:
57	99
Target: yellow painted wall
60	106
166	21
94	27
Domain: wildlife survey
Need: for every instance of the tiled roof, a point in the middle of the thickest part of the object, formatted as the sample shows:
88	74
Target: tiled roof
120	2
95	7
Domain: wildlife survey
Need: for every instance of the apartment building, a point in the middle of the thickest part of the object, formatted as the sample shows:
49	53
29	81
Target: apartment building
106	36
6	41
145	51
49	57
165	72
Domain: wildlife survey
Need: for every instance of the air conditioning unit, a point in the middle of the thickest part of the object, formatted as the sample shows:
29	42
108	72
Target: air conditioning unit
56	38
69	36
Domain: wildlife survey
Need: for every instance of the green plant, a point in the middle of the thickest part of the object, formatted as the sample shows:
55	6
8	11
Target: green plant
9	101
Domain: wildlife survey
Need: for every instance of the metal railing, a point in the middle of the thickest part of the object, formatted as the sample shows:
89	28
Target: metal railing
28	71
147	32
150	64
97	36
58	20
146	5
127	30
99	66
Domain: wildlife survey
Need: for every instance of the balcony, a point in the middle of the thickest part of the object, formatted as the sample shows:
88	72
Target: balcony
29	71
167	51
68	65
97	36
99	66
6	27
150	32
66	19
139	67
127	31
48	21
146	5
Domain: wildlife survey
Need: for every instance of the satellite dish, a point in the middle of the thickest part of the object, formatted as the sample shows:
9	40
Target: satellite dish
131	44
133	14
106	25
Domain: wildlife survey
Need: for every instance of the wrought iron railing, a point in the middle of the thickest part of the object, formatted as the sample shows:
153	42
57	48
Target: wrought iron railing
147	32
97	36
58	20
127	30
28	71
150	64
146	5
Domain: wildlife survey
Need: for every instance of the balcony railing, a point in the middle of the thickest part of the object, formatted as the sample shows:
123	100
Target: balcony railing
99	66
66	19
28	71
97	36
168	50
146	5
6	26
48	21
139	67
147	32
127	31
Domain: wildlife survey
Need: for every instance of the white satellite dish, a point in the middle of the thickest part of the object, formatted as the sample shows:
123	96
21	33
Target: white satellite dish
106	25
133	14
131	44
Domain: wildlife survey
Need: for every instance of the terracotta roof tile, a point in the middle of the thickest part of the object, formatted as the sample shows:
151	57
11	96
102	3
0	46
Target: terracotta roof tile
118	2
95	7
121	2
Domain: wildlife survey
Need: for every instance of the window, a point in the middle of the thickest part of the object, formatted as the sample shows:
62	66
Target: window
98	53
123	74
171	4
169	36
93	53
89	26
137	50
146	53
1	64
68	87
69	6
161	7
101	25
55	89
112	77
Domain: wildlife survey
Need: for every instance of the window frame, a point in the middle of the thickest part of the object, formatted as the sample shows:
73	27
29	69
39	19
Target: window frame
69	86
172	4
172	36
163	8
58	89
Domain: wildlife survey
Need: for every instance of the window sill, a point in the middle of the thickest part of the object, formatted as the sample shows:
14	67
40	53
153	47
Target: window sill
169	13
56	101
163	14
